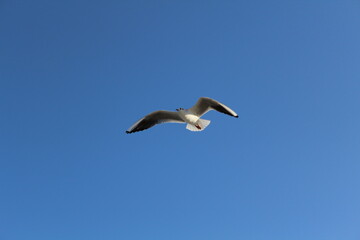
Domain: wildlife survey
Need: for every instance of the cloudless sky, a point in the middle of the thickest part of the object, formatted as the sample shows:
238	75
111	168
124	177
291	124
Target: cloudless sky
74	75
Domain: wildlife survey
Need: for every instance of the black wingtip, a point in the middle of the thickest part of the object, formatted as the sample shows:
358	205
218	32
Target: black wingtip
128	132
237	116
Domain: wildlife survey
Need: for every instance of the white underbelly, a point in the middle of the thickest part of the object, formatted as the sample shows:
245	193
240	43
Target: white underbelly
189	118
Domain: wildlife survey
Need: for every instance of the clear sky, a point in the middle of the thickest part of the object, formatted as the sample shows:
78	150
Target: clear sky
74	75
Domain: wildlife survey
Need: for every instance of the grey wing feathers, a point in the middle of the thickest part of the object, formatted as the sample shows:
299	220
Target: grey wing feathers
154	118
204	104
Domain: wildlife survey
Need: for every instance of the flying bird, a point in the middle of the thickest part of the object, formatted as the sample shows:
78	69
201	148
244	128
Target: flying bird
190	116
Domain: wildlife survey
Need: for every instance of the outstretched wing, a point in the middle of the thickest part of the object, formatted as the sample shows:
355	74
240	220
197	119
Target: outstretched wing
154	118
205	104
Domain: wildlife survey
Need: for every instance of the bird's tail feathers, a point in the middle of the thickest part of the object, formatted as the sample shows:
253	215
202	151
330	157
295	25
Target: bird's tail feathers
200	125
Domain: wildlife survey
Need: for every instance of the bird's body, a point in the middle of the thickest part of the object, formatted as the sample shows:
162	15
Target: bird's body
190	116
194	122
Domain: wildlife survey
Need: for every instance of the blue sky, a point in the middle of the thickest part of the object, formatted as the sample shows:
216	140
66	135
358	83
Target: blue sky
74	75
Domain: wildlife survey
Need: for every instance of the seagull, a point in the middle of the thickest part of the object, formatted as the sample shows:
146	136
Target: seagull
190	116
